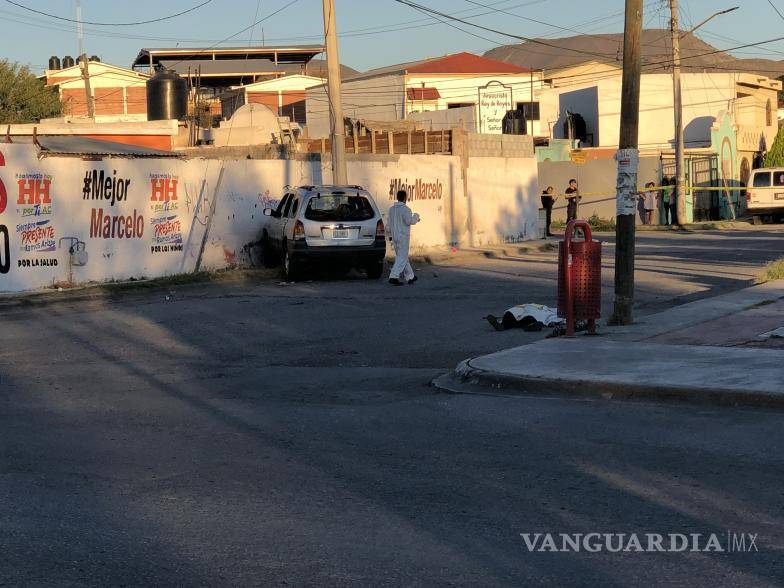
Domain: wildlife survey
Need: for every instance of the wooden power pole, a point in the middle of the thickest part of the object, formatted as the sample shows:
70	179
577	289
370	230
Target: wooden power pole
680	178
88	92
628	158
337	126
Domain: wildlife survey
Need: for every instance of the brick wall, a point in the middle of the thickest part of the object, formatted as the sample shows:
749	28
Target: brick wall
108	101
137	99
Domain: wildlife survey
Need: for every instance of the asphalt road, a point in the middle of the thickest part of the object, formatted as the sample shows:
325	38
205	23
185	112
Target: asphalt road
252	433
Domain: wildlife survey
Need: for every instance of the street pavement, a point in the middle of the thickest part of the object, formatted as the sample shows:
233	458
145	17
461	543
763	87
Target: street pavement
253	433
690	353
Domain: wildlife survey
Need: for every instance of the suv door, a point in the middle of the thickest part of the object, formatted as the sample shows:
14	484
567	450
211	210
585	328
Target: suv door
291	216
277	222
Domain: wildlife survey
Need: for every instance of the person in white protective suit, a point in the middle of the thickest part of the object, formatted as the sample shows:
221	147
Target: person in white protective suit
400	218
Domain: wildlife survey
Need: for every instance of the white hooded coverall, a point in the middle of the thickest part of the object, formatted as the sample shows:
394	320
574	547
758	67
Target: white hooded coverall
400	218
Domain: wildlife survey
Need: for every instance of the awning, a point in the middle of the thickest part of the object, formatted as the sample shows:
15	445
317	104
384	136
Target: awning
423	94
84	146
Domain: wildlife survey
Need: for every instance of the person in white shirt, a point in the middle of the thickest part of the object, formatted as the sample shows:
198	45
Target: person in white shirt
400	218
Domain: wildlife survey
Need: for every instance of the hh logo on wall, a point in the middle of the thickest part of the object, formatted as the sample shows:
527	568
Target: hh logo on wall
163	192
34	194
167	234
110	189
419	190
34	202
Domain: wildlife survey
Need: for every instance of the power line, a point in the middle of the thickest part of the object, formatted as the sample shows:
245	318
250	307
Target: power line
255	16
208	49
108	24
776	9
521	17
426	9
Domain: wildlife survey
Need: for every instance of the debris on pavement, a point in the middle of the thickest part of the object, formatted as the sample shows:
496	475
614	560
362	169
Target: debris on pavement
529	317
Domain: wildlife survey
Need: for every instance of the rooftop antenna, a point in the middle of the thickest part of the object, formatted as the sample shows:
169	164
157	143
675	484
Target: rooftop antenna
79	26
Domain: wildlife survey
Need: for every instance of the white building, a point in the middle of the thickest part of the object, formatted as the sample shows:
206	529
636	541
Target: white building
593	90
285	96
453	81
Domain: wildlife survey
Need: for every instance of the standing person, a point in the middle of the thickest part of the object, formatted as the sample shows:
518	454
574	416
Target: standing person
400	220
648	203
547	203
572	199
667	199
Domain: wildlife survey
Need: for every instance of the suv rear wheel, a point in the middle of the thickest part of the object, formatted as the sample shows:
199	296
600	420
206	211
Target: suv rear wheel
291	266
268	258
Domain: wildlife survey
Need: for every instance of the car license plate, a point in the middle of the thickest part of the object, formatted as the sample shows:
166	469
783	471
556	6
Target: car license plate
778	196
340	233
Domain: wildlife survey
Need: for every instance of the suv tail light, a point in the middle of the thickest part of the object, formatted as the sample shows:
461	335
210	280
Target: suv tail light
299	231
748	196
380	231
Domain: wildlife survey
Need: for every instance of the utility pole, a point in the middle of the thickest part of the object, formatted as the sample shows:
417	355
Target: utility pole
84	62
680	179
337	126
628	158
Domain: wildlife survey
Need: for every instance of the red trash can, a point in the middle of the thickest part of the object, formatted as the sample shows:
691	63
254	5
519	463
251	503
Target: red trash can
579	278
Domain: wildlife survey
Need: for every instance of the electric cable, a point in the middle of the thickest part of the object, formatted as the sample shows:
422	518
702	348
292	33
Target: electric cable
108	24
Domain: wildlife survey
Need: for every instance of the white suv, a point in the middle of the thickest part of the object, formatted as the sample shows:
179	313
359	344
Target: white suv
765	193
322	224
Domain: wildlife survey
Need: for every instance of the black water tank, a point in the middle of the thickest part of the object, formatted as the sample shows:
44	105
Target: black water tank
95	58
167	96
574	127
54	63
514	123
68	61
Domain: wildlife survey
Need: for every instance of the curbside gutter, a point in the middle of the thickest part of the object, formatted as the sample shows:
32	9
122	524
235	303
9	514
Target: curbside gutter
467	379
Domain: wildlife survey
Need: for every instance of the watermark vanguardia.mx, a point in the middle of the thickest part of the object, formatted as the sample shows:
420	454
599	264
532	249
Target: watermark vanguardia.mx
729	542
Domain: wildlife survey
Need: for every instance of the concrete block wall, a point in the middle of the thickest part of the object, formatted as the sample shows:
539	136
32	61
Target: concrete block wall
516	146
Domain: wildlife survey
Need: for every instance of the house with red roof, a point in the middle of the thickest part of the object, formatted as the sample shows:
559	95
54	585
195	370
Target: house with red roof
489	88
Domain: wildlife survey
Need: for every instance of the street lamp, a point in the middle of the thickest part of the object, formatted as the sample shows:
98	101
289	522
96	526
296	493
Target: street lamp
711	17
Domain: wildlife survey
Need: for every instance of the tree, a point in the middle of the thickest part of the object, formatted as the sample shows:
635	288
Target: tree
775	155
23	97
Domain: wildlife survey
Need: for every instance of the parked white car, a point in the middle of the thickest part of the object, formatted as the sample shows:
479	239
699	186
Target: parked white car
765	193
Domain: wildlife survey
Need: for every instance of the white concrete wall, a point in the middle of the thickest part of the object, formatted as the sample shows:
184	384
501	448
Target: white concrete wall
503	200
501	206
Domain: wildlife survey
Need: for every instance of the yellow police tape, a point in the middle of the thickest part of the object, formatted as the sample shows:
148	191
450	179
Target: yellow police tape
661	188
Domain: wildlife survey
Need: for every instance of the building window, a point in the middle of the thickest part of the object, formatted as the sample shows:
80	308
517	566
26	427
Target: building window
768	113
459	104
530	110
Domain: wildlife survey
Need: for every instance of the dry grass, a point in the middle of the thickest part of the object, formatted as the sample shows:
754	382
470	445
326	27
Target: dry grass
773	271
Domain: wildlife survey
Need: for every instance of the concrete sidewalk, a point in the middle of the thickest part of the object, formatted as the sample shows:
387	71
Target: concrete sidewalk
722	364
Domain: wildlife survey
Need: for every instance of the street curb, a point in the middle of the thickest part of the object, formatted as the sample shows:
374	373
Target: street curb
466	379
435	257
115	291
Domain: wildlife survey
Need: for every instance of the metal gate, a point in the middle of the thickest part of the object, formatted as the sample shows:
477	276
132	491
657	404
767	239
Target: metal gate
705	171
701	171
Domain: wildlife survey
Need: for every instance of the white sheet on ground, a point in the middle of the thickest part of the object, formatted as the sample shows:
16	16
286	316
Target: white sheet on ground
544	314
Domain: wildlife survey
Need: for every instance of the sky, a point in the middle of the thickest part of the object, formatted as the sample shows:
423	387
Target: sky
373	33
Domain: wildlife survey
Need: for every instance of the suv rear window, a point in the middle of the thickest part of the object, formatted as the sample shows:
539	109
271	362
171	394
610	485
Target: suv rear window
339	208
761	179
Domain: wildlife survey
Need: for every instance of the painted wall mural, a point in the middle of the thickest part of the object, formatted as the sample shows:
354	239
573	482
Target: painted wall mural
67	221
